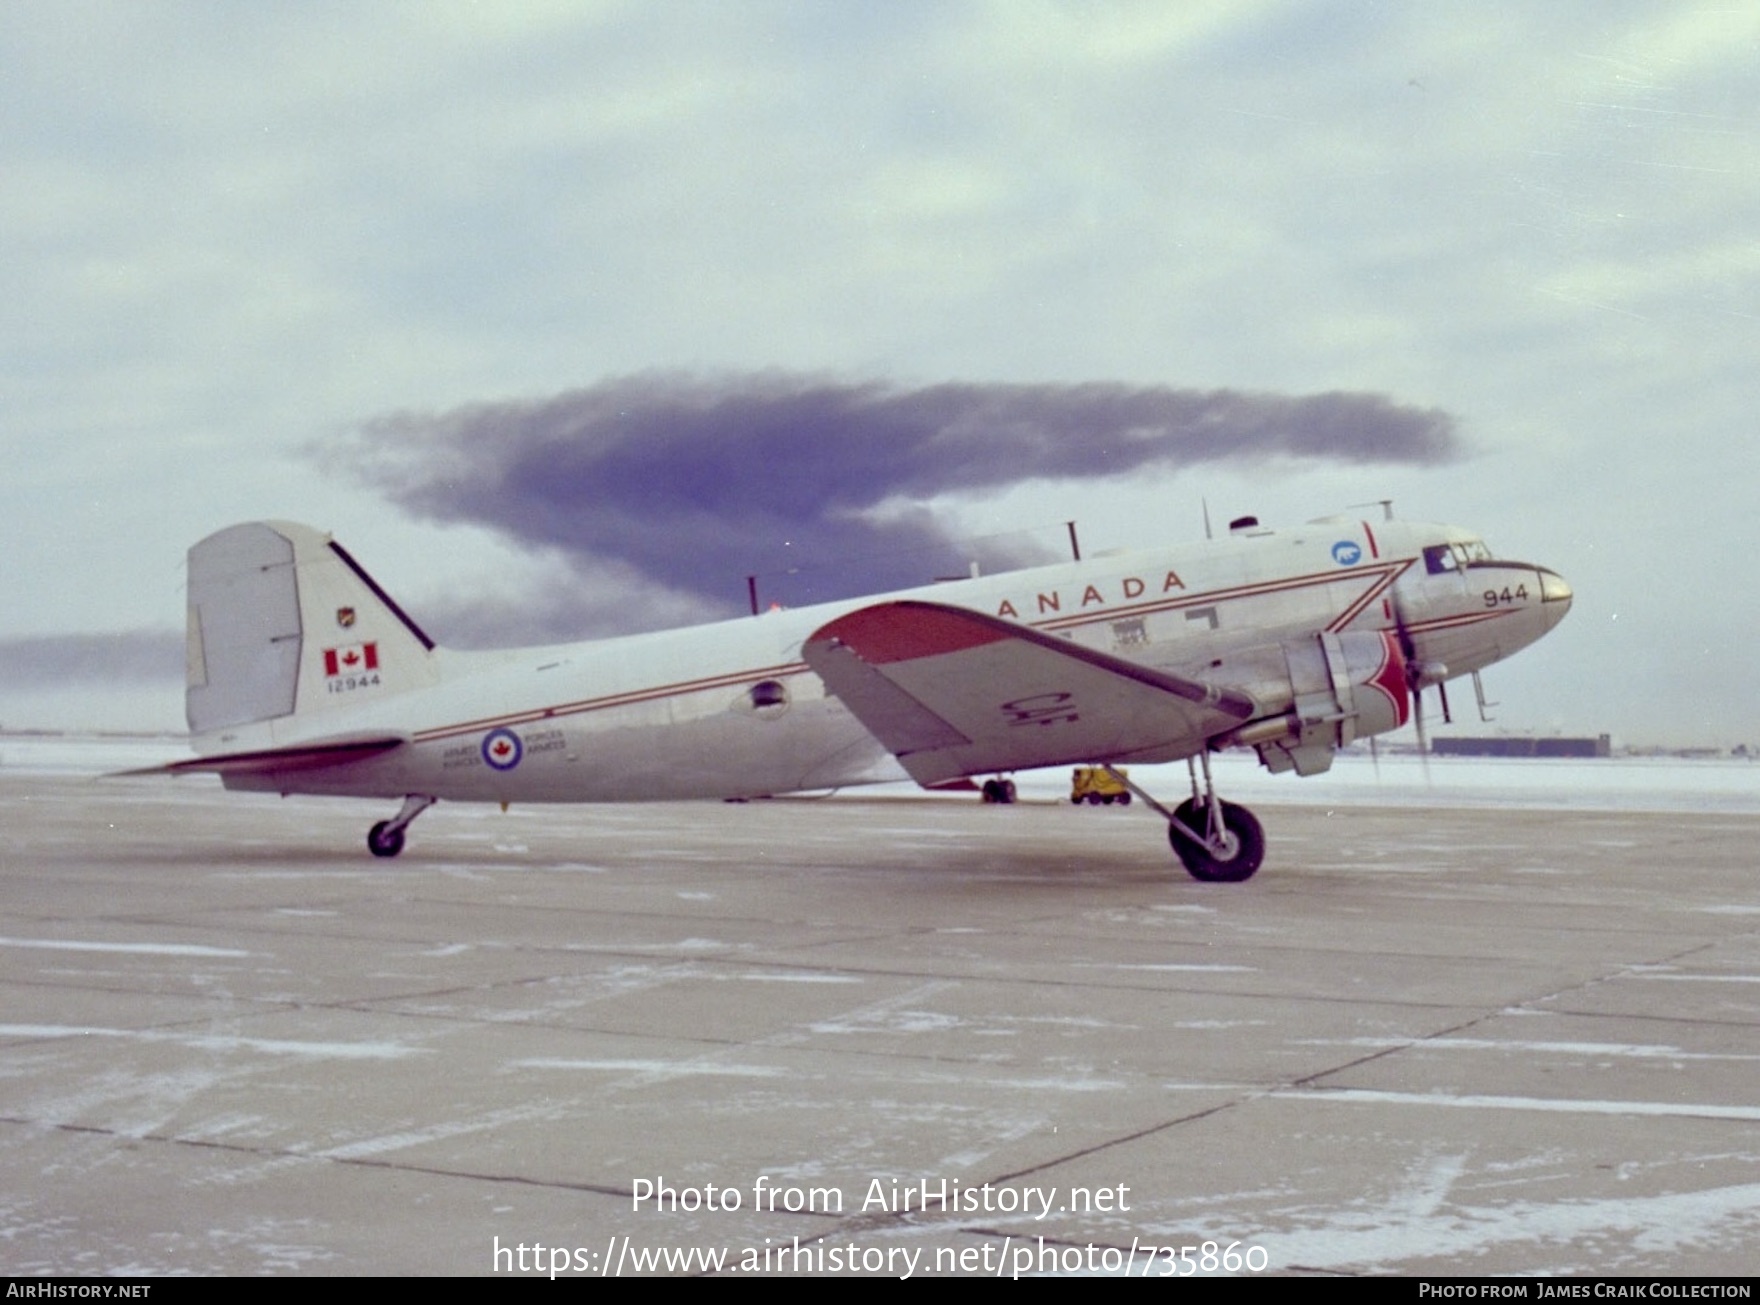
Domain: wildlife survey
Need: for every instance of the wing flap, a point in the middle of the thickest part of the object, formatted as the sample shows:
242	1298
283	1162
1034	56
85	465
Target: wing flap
952	692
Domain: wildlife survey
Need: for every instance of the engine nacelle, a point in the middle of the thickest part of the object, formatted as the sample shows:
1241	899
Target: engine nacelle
1341	687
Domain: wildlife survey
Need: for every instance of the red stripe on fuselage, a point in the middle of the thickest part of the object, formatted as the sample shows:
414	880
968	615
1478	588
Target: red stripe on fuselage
1386	573
1389	574
579	706
1380	577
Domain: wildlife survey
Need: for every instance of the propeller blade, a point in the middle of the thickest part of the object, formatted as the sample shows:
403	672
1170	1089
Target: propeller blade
1423	734
1415	681
1404	631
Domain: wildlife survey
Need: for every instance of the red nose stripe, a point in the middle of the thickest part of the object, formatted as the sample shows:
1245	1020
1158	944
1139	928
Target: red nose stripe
1391	678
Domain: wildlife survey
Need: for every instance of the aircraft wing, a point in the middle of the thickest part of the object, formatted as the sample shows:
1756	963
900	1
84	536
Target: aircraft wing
268	761
953	692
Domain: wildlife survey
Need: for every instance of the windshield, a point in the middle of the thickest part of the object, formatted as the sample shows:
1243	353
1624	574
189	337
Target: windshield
1452	557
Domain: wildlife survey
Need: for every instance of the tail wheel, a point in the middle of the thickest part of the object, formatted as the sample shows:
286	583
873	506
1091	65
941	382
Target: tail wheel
383	840
1242	847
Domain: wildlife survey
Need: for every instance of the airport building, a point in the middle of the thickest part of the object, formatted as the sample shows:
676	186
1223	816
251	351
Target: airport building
1521	746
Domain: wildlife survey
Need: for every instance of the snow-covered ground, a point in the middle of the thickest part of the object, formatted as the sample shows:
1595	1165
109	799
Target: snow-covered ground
77	754
1608	784
1403	780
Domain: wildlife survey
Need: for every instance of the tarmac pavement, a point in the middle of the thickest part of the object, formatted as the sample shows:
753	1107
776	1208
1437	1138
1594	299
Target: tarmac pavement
576	1038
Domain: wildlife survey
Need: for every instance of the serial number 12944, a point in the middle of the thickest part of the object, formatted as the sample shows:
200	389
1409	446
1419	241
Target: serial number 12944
346	683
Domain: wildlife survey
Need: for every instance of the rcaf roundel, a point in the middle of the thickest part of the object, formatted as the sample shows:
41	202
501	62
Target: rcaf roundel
502	749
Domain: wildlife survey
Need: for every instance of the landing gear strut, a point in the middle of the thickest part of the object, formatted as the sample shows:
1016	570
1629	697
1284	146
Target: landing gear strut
386	837
1216	841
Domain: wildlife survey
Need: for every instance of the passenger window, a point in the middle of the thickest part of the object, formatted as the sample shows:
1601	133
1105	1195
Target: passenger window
768	699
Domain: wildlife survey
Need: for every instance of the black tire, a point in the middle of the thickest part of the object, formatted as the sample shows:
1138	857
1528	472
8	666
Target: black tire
1124	799
384	842
1094	799
1236	866
1009	792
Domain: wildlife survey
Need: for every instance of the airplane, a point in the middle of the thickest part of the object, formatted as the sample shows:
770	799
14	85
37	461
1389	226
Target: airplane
304	676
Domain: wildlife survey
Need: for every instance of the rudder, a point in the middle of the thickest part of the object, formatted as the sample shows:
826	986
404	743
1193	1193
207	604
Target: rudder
283	623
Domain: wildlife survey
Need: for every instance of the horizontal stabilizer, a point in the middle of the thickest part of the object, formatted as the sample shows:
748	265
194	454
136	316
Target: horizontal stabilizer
953	692
269	761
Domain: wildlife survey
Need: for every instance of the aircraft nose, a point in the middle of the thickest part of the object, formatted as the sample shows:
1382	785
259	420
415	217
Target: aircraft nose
1555	594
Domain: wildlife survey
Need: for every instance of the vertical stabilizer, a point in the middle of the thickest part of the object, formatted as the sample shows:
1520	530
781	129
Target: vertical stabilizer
284	624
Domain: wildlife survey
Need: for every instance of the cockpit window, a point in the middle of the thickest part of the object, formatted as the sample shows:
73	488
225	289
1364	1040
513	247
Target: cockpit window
1439	558
1473	550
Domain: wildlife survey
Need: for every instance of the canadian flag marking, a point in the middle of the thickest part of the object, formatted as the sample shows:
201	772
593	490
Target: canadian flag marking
351	659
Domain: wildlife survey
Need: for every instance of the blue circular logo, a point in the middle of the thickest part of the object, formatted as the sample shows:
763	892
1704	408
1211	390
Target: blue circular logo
502	749
1347	552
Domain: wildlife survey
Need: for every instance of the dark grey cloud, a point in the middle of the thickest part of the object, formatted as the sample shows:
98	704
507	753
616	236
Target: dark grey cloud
694	482
562	608
131	657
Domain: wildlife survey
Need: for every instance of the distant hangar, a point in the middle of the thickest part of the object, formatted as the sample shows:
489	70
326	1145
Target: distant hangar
1520	746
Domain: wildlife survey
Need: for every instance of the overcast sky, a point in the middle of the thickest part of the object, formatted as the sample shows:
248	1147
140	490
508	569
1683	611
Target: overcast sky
255	255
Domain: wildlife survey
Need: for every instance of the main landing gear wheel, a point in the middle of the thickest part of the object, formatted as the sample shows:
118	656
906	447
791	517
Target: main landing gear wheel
1234	858
382	840
999	791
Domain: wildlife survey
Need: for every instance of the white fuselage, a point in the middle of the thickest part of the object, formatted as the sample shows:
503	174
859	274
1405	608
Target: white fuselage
732	710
